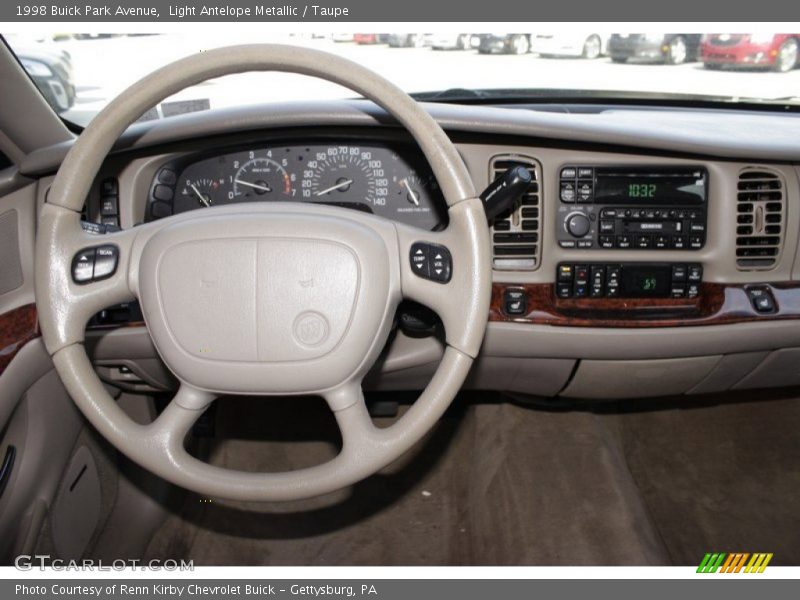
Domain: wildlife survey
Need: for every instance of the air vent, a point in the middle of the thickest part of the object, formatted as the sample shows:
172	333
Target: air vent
759	219
516	236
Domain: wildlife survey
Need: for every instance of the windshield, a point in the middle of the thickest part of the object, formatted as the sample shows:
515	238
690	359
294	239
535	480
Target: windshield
80	73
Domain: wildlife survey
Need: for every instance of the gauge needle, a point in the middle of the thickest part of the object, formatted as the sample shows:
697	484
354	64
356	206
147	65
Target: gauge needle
412	195
199	195
264	188
341	184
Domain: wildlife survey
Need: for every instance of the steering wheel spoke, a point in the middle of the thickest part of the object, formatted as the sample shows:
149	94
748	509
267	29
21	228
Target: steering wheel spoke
446	271
180	415
86	273
350	409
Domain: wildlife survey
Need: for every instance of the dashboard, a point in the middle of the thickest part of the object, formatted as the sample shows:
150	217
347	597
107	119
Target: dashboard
388	181
656	252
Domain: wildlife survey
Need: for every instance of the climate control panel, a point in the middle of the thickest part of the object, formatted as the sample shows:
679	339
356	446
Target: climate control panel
628	280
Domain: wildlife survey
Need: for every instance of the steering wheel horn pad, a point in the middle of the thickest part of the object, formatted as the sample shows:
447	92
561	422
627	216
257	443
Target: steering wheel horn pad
270	298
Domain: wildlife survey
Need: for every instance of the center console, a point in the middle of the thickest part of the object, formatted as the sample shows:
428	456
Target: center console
632	208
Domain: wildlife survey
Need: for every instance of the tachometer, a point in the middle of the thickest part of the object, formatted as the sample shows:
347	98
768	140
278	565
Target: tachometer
261	179
345	174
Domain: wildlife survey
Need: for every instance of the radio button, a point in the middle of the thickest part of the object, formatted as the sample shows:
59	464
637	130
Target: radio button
577	225
606	226
696	241
660	242
585	191
567	192
566	243
673	213
584	244
649	214
678	273
608	213
585	173
606	241
643	241
697	227
568	173
624	241
679	242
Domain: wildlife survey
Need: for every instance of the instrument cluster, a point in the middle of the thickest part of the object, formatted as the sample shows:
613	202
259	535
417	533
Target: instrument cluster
391	182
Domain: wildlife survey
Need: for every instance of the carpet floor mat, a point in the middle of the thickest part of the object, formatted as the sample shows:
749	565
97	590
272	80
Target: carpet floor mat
498	483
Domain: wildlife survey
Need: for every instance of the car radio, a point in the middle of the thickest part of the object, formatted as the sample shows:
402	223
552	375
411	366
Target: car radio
626	208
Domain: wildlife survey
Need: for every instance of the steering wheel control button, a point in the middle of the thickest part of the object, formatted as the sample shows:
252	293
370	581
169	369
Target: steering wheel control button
515	302
431	261
420	259
762	300
105	262
441	264
95	264
83	266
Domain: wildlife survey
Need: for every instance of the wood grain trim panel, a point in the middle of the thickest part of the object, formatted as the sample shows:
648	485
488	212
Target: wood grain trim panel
17	328
717	304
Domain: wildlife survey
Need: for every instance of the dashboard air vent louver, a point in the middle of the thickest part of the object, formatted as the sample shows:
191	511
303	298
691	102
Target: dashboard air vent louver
516	237
760	209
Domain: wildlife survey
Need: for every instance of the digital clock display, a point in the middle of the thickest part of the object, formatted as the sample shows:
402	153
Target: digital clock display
642	190
634	185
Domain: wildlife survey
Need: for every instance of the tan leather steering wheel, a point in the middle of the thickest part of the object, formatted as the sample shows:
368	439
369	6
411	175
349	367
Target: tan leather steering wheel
251	327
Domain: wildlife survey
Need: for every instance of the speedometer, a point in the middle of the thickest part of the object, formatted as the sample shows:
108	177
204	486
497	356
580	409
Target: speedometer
346	175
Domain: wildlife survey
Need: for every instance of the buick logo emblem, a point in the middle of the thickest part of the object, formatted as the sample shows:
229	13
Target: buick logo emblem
310	329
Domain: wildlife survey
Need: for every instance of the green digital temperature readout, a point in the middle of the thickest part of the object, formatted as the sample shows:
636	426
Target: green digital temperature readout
642	190
648	284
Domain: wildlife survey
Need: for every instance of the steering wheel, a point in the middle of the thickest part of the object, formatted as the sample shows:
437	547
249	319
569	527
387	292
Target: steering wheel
266	298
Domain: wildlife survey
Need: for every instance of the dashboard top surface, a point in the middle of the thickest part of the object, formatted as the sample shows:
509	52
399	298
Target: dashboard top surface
723	133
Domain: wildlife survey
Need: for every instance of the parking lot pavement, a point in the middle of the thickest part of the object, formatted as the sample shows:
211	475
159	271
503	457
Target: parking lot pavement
104	67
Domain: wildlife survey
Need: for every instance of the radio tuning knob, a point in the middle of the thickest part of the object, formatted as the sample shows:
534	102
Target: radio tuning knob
577	225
